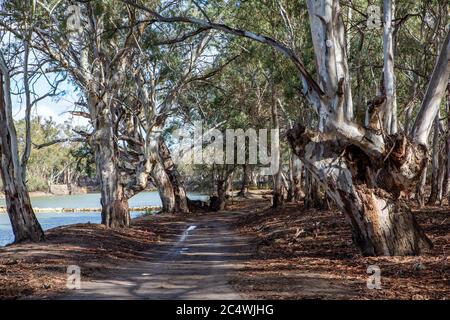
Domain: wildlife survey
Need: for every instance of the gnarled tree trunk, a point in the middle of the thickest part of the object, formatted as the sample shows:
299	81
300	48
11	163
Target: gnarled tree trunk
165	189
158	175
115	211
23	220
367	189
179	191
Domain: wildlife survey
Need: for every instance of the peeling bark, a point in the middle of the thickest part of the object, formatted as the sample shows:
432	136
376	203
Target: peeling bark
23	220
179	191
165	189
367	189
115	212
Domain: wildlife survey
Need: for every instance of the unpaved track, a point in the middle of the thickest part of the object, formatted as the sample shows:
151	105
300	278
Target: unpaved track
196	265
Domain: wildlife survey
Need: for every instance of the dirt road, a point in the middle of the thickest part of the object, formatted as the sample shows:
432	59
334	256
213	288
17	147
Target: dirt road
196	264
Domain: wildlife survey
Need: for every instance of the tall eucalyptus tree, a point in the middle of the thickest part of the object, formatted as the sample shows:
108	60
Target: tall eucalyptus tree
364	171
13	168
93	42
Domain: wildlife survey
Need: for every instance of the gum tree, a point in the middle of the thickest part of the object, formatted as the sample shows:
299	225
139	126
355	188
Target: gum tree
23	220
93	43
363	168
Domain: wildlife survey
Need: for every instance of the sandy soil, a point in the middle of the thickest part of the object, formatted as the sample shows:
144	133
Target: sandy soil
39	270
197	264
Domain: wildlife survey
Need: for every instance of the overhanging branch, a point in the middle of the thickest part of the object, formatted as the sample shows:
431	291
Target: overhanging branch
50	143
305	75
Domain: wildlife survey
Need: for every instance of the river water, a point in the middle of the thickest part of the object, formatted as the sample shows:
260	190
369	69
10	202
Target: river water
50	220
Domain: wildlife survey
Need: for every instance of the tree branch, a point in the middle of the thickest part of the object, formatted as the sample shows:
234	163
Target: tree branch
305	75
50	143
435	92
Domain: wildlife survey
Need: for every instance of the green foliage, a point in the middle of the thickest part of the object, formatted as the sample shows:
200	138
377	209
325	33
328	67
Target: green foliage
57	163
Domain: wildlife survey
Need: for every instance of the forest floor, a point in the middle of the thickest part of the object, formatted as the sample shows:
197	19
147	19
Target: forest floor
309	254
249	251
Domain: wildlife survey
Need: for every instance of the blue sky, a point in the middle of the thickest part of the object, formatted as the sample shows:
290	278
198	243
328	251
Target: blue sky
55	107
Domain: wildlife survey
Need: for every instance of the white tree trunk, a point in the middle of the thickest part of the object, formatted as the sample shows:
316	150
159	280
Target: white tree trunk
390	108
23	220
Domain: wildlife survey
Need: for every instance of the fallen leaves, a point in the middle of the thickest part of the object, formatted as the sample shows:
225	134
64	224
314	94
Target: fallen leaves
319	242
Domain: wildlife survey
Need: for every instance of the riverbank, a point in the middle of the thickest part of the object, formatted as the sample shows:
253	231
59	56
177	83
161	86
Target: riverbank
32	194
90	202
40	210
